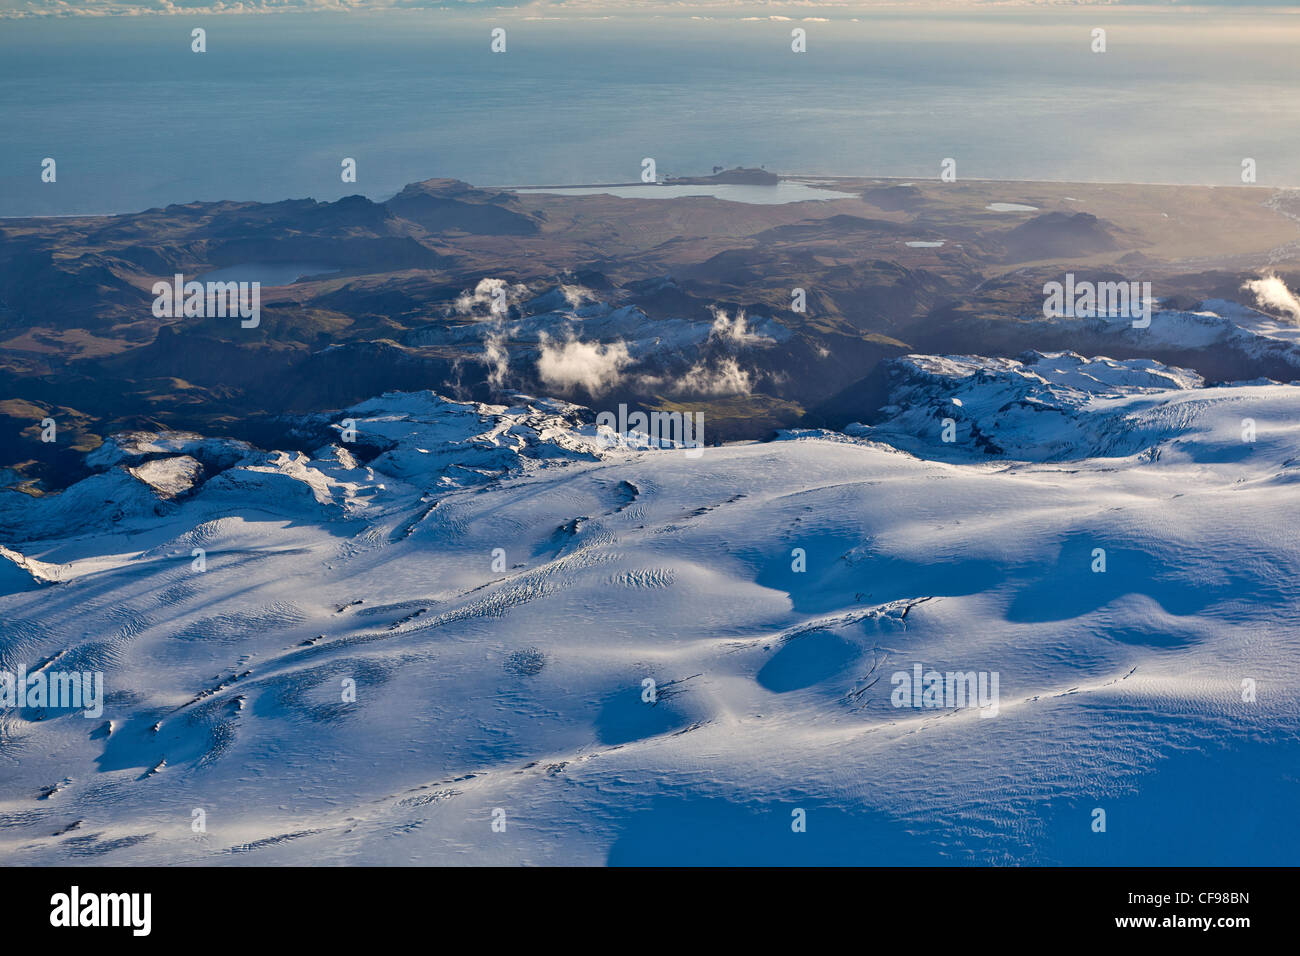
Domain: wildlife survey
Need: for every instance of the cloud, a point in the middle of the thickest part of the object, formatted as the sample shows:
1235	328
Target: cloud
593	366
728	378
735	331
496	358
496	295
576	295
1272	295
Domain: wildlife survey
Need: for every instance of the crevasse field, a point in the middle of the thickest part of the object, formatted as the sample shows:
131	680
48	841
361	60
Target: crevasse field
508	685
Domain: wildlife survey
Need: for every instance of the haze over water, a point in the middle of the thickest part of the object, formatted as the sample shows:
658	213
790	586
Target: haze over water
135	119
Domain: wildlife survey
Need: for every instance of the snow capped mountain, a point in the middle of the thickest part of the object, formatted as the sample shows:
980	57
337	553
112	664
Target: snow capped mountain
1218	324
454	615
421	437
1061	406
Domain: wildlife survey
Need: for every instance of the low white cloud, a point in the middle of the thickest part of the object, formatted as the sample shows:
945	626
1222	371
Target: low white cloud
1272	295
593	366
496	358
726	378
735	331
494	295
576	295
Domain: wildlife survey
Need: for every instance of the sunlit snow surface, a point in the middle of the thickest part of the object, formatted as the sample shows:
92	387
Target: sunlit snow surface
521	689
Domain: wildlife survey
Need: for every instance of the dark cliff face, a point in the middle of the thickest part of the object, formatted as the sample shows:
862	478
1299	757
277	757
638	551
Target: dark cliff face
382	304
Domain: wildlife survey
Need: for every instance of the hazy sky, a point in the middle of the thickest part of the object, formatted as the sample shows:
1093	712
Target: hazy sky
794	10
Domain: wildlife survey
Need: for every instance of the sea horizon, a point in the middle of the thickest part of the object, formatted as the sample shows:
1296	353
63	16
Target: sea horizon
136	120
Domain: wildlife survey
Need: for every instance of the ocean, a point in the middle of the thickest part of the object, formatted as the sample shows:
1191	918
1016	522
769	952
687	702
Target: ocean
134	119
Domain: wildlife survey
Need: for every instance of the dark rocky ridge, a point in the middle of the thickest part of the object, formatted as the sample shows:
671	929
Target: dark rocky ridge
78	339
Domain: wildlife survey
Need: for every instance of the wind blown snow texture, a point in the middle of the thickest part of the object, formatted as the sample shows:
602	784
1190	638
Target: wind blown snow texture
521	689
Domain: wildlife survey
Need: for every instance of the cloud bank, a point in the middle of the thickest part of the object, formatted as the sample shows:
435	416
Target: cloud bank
1272	295
727	378
592	366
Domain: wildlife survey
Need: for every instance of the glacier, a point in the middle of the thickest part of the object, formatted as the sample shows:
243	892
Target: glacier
431	645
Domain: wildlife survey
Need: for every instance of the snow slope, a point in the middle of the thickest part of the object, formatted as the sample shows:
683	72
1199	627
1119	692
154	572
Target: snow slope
500	582
1219	325
1060	406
